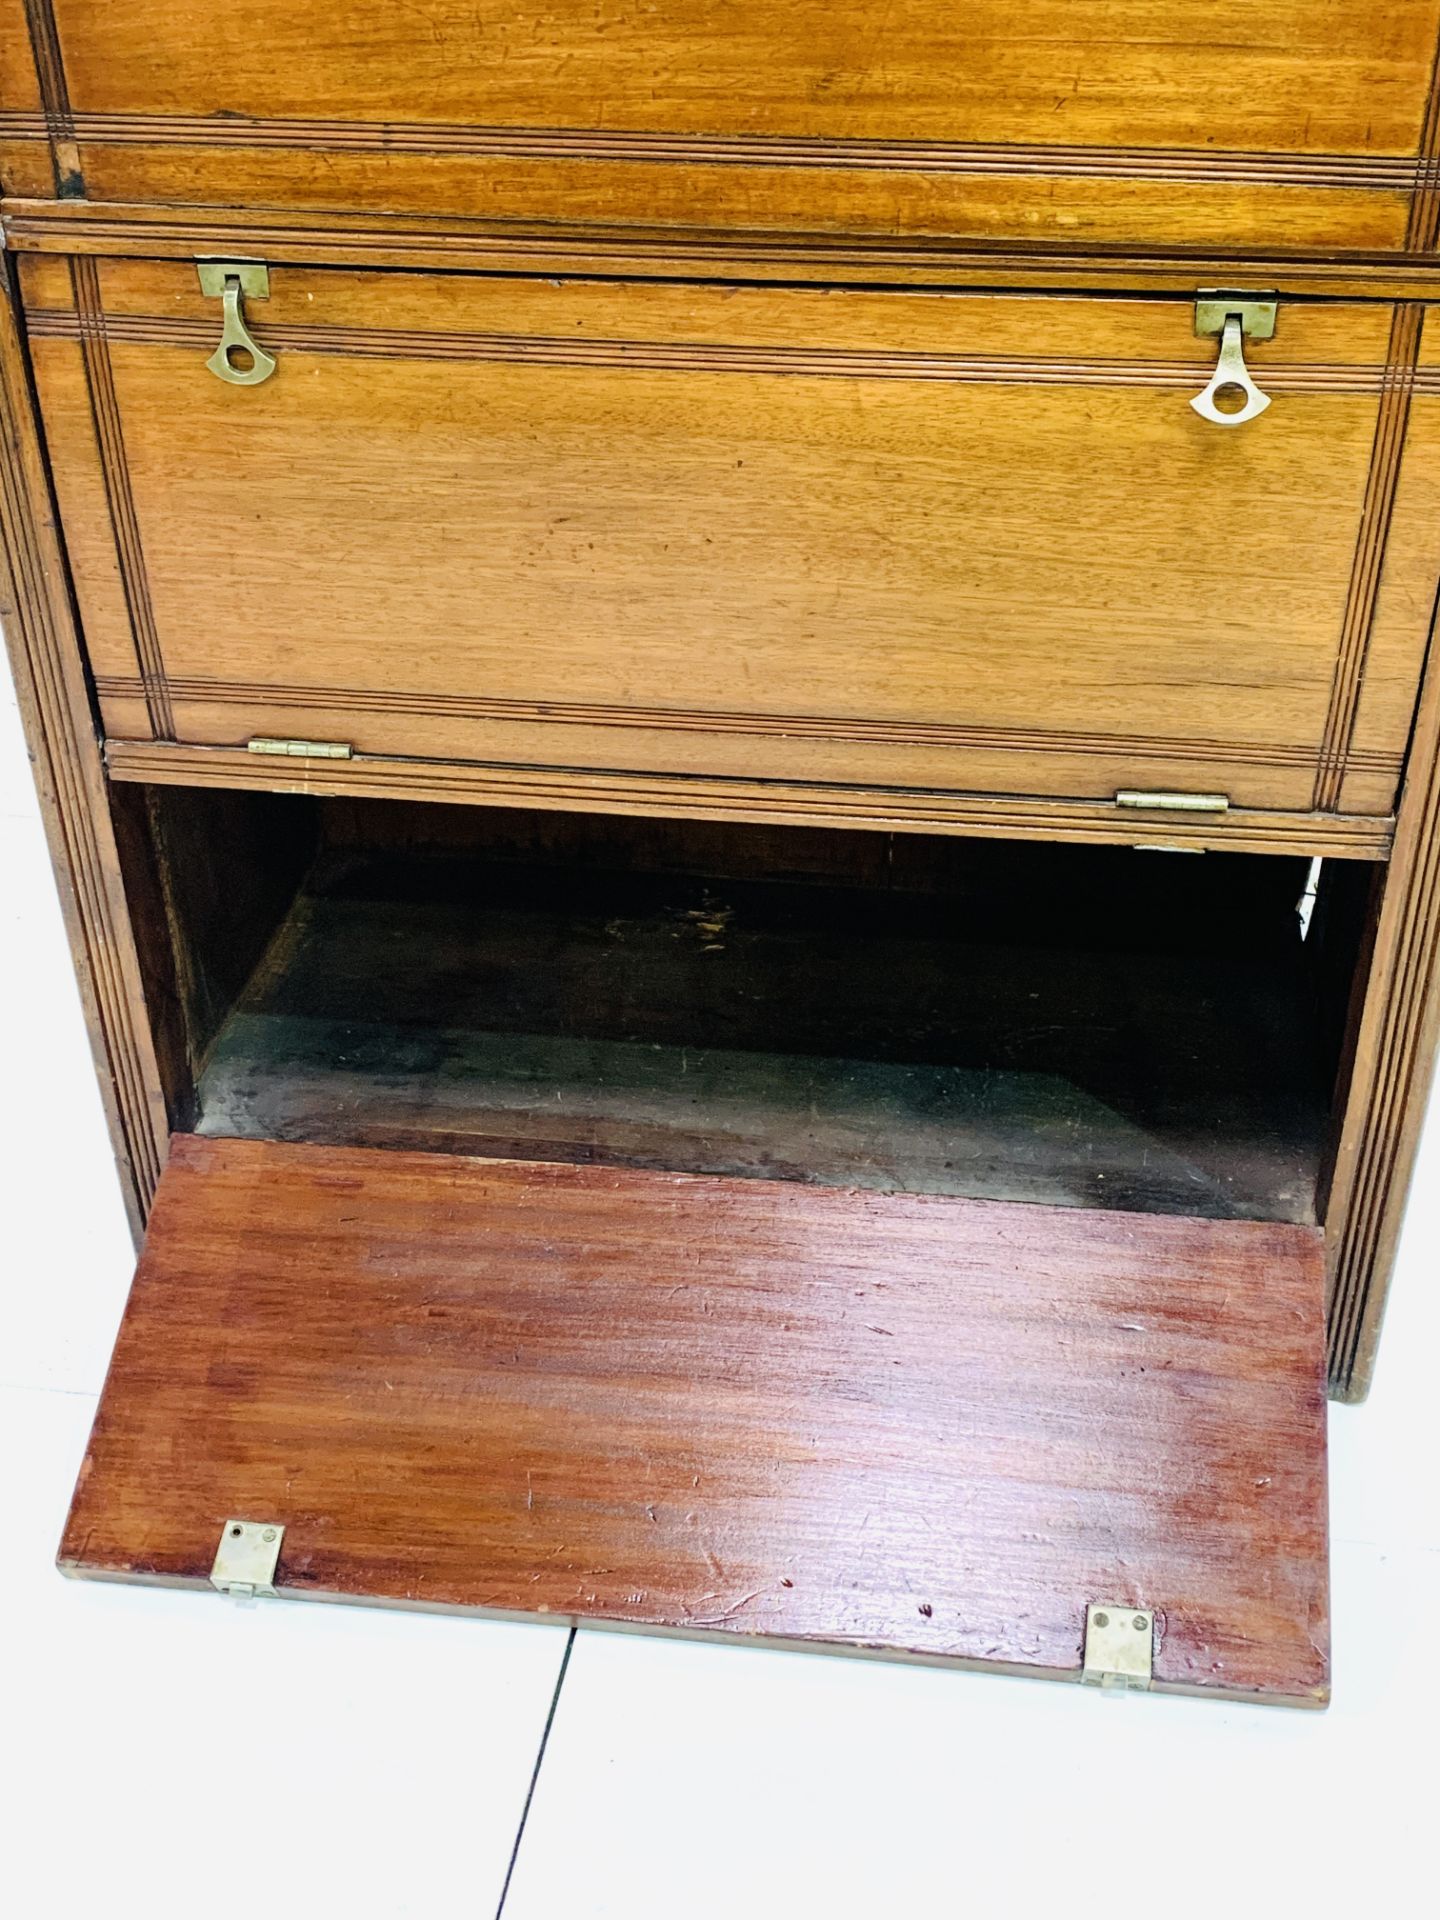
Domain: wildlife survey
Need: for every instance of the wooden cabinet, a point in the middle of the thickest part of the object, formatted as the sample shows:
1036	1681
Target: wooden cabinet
630	634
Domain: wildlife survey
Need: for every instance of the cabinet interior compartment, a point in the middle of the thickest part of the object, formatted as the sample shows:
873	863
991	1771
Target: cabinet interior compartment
613	1220
1089	1026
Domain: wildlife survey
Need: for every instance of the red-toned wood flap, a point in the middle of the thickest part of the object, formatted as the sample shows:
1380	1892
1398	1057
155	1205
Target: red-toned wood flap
928	1426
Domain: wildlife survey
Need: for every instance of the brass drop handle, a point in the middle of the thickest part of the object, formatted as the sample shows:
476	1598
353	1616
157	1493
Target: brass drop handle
1233	317
239	358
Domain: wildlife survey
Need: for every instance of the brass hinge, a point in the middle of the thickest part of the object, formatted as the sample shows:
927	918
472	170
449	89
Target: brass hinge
1119	1646
239	358
246	1558
1173	802
302	749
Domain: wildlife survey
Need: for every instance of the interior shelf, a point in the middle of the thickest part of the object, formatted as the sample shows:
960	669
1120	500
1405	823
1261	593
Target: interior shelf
1088	1027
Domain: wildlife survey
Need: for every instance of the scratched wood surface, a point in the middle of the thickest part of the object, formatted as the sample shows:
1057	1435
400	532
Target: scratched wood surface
933	1427
1108	122
1320	78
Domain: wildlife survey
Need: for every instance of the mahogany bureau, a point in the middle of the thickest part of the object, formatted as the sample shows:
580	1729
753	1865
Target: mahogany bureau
632	616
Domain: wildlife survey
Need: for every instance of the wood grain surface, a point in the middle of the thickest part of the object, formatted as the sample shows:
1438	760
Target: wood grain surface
51	688
763	802
1321	78
1388	1090
957	542
1110	122
931	1427
344	237
1131	147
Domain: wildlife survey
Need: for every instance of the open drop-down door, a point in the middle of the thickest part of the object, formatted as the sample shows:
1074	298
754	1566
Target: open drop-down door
922	1425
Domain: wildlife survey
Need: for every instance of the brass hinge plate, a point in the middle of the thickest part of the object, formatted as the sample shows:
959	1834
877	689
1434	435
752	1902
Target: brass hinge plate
1148	802
253	277
1119	1645
246	1558
1256	312
302	749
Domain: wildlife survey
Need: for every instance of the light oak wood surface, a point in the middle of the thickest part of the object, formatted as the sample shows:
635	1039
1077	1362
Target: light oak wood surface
947	541
1323	78
346	237
936	1427
1109	122
885	810
49	673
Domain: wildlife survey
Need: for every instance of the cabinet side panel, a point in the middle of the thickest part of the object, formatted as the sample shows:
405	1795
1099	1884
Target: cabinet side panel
1392	1069
54	705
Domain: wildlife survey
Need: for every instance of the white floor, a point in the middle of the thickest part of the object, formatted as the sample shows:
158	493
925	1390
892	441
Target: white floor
163	1754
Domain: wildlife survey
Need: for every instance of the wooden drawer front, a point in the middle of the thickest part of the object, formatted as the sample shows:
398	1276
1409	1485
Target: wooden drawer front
1304	124
973	543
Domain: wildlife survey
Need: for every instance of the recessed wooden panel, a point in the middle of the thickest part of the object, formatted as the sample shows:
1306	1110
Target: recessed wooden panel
1404	604
84	493
19	82
1112	121
965	542
25	157
933	1427
1056	200
25	169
